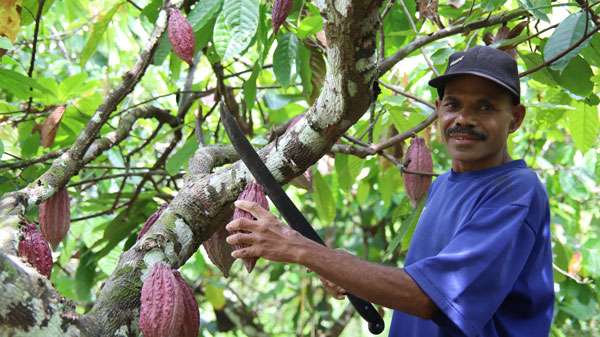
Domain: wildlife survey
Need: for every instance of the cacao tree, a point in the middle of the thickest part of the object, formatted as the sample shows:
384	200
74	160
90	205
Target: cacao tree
104	100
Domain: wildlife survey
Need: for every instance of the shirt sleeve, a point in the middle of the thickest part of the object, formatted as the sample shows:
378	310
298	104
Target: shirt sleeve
471	276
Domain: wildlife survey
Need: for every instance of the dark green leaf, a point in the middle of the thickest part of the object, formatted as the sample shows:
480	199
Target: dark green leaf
250	87
203	12
569	31
539	8
303	68
163	50
576	77
31	145
324	201
489	5
176	161
20	78
152	9
284	58
30	8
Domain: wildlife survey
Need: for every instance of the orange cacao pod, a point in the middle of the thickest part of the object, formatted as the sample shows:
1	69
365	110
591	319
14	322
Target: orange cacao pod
181	36
191	320
219	251
252	192
35	250
281	10
419	159
55	217
162	308
151	220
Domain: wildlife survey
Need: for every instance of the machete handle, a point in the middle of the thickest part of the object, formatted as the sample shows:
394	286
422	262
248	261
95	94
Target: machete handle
368	312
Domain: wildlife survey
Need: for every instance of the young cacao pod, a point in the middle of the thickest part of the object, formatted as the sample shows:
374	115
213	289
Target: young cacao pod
252	192
219	251
191	319
181	36
34	248
151	220
419	159
281	10
162	308
55	217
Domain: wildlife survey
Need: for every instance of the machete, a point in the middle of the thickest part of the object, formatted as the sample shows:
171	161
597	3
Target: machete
286	207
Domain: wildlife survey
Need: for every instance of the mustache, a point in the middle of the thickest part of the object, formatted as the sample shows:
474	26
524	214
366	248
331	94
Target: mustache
464	130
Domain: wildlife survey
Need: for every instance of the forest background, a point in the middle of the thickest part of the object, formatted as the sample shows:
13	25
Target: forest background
93	98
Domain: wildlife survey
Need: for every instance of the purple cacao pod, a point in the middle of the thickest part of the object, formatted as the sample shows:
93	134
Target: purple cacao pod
151	220
35	250
181	36
281	10
55	217
219	251
191	320
252	192
419	158
162	308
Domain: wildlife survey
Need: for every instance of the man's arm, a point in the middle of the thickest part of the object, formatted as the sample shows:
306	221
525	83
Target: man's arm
269	238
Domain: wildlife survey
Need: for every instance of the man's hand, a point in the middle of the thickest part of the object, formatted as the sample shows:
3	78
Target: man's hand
333	289
268	237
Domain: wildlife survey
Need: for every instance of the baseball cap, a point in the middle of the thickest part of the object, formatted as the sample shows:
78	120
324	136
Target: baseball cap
487	62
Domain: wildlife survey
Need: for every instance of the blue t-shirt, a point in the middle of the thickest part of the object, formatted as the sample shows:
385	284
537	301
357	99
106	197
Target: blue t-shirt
482	252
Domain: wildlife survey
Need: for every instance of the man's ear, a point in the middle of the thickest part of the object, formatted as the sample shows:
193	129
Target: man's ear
518	114
438	101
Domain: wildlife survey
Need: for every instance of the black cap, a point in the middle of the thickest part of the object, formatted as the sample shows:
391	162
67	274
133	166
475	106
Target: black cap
487	62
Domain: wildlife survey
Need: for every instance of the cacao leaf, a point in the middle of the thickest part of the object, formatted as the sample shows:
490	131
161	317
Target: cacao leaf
284	58
569	31
584	126
98	30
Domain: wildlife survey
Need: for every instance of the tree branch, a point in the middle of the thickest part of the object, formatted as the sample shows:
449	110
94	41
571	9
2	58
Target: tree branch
420	41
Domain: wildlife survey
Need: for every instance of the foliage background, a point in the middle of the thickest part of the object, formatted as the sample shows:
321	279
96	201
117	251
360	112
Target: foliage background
358	203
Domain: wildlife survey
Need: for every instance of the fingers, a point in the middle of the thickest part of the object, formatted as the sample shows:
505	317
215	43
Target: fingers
242	224
253	208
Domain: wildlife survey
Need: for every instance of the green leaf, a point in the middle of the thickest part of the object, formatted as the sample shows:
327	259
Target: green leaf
176	161
489	5
284	58
5	43
591	53
1	149
163	50
31	145
405	232
362	192
576	77
584	126
235	27
250	87
203	12
561	259
303	68
318	69
343	173
569	31
310	26
98	30
539	8
22	79
30	8
152	9
214	295
543	75
323	198
71	86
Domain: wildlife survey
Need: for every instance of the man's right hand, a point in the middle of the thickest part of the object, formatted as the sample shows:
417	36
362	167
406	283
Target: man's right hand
333	289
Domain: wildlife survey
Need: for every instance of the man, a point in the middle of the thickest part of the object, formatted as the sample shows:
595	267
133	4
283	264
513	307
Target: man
480	261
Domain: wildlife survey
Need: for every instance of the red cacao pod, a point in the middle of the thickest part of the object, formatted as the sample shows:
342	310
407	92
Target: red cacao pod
151	220
191	320
281	10
252	192
35	250
219	251
181	36
55	217
419	159
162	308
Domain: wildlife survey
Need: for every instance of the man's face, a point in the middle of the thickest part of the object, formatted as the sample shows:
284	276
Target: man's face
476	116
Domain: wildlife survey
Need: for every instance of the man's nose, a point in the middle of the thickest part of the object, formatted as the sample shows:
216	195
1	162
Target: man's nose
466	117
